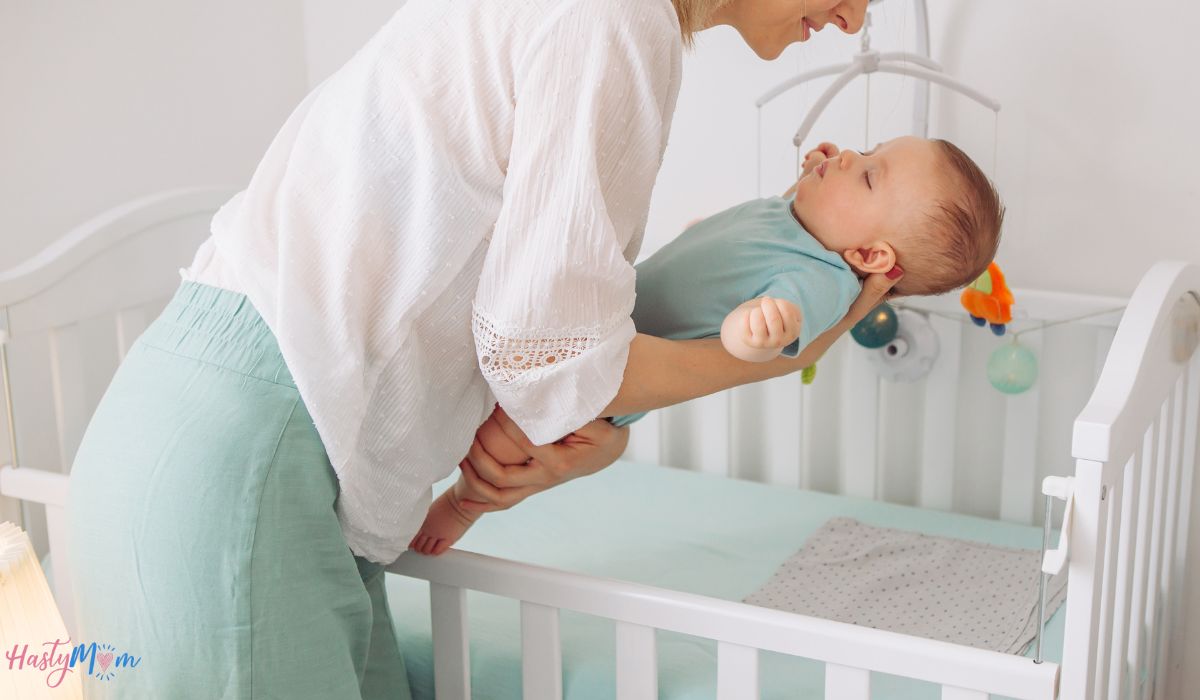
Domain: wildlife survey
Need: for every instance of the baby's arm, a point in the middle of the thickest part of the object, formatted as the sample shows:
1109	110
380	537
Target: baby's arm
759	329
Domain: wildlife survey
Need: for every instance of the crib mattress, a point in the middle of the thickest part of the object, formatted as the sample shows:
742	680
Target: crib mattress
675	529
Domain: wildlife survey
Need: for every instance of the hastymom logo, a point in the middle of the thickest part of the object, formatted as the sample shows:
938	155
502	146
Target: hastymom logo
58	658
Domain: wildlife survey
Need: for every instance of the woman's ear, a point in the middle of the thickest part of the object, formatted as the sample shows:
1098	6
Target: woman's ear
876	257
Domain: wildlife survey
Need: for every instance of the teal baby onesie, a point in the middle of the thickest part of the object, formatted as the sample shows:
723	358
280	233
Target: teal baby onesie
687	288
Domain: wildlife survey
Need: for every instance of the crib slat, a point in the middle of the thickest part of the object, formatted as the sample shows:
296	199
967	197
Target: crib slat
451	655
67	384
1114	501
1148	619
541	652
1018	494
748	453
713	423
130	324
696	434
1114	656
1184	419
637	662
1142	555
845	683
645	440
940	426
737	672
950	693
1127	566
809	436
782	418
1176	598
859	425
677	431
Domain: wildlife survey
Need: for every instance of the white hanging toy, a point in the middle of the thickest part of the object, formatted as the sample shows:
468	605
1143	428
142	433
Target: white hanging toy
868	61
911	354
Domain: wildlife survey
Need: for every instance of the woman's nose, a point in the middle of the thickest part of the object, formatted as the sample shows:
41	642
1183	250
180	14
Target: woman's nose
849	15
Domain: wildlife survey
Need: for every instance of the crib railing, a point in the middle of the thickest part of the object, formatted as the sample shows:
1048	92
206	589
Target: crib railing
850	652
1135	446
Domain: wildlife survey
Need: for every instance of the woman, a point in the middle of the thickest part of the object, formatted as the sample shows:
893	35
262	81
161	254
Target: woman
447	222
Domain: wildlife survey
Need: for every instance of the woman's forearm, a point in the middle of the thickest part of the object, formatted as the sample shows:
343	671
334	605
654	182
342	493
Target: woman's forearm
662	372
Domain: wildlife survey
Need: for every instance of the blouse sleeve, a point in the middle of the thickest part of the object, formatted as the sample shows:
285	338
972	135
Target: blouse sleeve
594	95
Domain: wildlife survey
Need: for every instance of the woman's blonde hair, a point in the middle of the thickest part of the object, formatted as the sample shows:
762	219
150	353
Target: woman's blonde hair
694	15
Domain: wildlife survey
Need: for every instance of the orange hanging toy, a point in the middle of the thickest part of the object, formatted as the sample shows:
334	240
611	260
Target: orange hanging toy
989	300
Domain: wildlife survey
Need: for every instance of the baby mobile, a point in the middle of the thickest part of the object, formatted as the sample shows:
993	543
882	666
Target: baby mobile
906	351
905	345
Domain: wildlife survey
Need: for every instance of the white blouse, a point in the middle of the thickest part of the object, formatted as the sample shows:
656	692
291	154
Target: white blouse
451	220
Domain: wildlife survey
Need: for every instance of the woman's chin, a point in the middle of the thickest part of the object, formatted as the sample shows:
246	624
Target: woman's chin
768	53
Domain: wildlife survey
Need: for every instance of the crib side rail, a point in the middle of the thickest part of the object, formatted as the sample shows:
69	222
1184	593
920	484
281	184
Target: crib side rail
850	652
1135	443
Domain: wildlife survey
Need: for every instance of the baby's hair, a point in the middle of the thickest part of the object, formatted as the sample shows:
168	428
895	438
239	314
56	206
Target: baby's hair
959	235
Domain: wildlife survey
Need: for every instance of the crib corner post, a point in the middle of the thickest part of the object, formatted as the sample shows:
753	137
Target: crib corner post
1085	575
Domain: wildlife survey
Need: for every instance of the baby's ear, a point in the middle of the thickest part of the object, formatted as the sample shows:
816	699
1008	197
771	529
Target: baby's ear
876	257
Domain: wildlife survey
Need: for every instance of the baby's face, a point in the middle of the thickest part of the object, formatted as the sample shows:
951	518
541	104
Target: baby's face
856	199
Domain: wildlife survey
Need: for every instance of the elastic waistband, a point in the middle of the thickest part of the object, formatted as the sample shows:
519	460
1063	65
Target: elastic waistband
219	327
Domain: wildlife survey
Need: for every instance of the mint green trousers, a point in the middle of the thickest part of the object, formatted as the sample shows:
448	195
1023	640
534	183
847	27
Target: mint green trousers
203	533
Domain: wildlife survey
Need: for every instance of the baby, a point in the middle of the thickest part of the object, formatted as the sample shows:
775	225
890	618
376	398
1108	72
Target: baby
789	267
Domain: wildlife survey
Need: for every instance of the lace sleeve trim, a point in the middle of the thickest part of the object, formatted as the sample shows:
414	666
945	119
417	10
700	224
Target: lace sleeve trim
509	354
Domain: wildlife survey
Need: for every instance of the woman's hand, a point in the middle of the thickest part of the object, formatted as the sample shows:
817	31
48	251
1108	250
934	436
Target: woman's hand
583	452
812	159
824	151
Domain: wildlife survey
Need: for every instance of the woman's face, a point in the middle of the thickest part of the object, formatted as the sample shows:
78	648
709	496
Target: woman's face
770	26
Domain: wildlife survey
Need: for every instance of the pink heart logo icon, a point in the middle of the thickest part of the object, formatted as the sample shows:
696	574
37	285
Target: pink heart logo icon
105	659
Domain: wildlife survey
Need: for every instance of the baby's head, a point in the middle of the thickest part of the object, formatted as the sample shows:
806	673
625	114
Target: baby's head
918	203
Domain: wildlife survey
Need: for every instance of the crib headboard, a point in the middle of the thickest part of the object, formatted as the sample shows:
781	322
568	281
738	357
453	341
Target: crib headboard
68	315
949	441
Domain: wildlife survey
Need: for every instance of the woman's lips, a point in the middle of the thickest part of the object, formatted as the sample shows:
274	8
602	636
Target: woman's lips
807	30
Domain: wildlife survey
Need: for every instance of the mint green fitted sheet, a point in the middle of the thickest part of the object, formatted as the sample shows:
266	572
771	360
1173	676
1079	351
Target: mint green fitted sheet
675	529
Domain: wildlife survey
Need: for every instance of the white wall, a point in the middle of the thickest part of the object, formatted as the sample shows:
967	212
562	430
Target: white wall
335	34
103	102
1097	144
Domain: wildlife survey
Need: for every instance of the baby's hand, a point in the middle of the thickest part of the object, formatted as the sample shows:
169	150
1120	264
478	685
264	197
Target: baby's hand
757	330
814	157
772	324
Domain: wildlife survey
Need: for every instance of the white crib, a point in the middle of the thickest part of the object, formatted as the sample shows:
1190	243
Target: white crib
70	313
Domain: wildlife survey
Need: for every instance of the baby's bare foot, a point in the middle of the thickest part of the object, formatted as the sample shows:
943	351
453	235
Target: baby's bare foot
444	525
